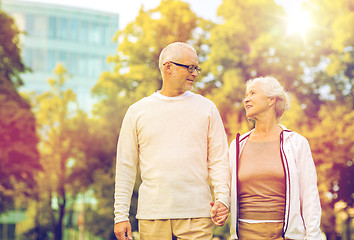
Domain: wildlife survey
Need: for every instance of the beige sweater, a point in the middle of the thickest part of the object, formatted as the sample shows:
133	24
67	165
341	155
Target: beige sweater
178	143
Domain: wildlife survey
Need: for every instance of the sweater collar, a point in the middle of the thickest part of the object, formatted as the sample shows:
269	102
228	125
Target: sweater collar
180	97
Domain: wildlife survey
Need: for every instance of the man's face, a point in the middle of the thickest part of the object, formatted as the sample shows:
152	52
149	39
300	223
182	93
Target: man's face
181	79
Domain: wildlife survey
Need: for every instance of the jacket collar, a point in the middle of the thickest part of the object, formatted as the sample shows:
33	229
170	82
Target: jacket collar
287	133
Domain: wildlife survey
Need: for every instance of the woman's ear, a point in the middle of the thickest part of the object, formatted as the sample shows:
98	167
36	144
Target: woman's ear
272	101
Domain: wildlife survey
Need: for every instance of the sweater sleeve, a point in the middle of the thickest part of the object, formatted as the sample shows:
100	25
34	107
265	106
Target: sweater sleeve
218	158
309	197
126	167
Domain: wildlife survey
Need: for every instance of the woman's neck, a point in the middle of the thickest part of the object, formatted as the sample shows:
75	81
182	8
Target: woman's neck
266	131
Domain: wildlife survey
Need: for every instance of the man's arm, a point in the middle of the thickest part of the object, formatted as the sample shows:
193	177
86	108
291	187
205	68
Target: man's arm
218	164
126	168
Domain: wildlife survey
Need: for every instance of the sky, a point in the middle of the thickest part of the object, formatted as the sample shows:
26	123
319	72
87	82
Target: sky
129	9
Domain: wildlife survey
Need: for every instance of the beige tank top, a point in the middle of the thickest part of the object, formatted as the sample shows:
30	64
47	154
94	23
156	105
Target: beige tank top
261	182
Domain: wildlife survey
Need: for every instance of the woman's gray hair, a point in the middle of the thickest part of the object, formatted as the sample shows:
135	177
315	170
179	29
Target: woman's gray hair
272	89
172	52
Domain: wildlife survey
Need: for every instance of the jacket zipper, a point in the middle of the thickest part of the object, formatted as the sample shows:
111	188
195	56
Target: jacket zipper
237	185
286	179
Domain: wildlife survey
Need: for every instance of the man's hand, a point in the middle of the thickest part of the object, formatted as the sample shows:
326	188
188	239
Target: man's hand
123	230
219	213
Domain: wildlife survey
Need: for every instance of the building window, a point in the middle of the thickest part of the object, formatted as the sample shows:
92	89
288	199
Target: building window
52	27
95	34
27	57
51	60
63	59
30	25
96	66
72	63
39	26
83	35
74	30
63	29
82	65
39	57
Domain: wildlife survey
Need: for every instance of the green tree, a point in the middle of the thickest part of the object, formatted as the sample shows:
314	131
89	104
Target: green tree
332	146
62	127
95	173
332	43
11	65
251	41
19	158
332	66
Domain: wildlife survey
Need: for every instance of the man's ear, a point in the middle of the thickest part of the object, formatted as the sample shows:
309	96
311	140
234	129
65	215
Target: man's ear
167	67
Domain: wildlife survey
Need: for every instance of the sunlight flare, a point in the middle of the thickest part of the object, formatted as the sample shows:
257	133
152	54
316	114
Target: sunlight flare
299	21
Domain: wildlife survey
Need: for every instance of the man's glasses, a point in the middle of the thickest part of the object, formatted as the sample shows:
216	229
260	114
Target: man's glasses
190	68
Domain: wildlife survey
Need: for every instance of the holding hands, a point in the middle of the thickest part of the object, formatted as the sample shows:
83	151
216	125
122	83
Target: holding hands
219	213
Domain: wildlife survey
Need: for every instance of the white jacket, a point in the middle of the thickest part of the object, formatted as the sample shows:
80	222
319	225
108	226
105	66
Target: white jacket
303	209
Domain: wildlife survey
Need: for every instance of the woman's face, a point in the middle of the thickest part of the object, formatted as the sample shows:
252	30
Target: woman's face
255	102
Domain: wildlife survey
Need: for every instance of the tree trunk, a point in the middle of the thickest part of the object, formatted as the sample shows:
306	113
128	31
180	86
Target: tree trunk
330	229
61	204
347	224
58	232
37	225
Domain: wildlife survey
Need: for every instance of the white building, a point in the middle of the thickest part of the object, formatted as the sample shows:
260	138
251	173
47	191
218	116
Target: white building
81	39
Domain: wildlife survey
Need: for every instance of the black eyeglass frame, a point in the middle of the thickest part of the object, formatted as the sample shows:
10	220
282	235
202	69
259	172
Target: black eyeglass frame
190	68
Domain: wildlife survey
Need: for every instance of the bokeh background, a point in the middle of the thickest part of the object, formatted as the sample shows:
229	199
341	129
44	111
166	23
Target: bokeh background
61	105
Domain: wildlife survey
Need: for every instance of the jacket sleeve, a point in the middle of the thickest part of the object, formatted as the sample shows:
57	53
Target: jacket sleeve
126	168
309	197
233	206
218	158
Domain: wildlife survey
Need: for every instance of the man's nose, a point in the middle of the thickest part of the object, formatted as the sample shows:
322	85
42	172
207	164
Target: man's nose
195	72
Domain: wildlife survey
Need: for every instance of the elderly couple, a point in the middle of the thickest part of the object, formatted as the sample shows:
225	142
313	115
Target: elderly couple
266	179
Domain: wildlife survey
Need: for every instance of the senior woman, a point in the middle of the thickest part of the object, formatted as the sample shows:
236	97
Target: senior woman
274	191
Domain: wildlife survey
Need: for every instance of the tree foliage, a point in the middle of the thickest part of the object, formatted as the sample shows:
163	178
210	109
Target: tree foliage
332	42
332	147
63	132
19	158
332	68
251	41
11	65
